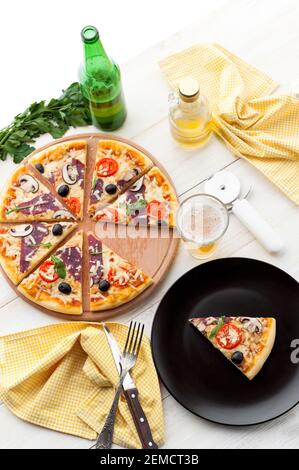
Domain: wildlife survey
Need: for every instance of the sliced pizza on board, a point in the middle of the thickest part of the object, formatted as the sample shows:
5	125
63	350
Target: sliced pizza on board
151	200
117	167
63	165
244	341
24	246
113	280
25	198
57	283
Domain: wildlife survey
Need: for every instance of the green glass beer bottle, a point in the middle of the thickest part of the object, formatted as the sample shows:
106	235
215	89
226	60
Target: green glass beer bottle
101	83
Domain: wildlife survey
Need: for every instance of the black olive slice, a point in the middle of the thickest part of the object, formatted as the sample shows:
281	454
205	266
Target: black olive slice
237	357
57	230
40	167
63	190
65	288
111	188
104	285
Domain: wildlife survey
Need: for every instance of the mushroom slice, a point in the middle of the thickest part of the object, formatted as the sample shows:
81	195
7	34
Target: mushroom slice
28	183
137	186
253	325
201	326
21	230
70	174
63	214
130	174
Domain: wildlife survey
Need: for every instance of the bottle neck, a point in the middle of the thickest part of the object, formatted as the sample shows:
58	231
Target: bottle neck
95	49
190	106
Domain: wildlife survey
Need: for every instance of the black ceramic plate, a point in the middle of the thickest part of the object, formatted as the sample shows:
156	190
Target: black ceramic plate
198	376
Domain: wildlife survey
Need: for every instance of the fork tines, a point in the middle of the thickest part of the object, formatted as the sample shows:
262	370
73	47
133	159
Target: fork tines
134	338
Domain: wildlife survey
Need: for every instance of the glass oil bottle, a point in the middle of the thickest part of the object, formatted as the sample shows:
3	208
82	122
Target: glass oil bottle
189	115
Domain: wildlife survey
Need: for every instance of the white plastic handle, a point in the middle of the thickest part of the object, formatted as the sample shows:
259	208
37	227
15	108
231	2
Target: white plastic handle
258	226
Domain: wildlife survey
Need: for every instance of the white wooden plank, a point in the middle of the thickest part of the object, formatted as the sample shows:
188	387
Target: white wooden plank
186	168
18	434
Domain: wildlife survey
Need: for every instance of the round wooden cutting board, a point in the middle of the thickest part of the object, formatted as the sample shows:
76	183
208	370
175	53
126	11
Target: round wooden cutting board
153	254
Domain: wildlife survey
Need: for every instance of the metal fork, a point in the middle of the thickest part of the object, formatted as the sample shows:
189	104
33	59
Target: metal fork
127	362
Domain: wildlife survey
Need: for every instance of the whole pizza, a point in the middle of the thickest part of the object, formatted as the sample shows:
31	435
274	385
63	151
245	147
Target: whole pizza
47	248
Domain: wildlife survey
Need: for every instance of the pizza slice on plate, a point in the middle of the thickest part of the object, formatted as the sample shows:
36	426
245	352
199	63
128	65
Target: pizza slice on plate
245	341
113	280
25	198
149	201
117	166
23	246
63	165
57	283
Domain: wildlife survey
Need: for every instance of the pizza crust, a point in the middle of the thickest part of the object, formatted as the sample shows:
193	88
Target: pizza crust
261	359
168	194
136	156
57	152
50	304
119	297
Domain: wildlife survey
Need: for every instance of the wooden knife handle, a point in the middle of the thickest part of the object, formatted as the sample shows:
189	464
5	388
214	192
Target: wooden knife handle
140	419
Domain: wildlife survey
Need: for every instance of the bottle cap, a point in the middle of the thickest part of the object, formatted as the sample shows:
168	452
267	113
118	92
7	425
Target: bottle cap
189	89
89	34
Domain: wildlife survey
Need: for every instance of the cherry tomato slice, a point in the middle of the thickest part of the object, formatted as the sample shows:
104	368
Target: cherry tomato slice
106	167
229	336
120	281
47	272
156	209
109	214
73	203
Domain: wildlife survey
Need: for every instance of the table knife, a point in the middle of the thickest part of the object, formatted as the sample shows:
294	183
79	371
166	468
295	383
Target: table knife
131	394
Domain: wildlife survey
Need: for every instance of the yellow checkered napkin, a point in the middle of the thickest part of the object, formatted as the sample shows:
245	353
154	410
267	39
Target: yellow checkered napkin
63	376
262	129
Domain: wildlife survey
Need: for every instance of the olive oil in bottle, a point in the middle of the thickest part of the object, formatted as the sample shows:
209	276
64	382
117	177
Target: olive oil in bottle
100	82
189	115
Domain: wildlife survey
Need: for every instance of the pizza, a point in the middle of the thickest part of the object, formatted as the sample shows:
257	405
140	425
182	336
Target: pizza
63	166
49	196
244	341
25	198
57	283
113	280
149	201
117	166
23	246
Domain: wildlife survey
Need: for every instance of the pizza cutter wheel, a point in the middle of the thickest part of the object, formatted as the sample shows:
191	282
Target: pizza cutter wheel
227	187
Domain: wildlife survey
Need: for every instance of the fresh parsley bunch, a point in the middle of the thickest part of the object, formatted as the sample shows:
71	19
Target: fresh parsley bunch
54	117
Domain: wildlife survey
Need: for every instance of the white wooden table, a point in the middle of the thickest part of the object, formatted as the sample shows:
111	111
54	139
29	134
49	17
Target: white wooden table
266	34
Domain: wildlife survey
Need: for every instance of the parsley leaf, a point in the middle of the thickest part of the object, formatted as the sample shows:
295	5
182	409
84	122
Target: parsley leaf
217	328
54	117
17	209
96	253
44	245
132	208
59	267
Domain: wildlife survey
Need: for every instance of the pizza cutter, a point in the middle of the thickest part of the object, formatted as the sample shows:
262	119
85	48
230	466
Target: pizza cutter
227	187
